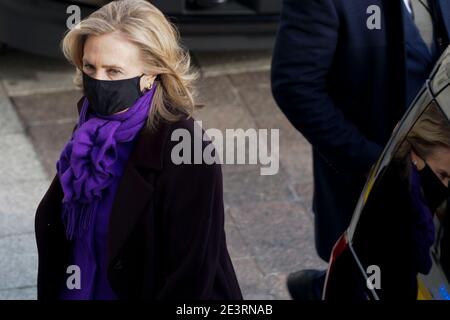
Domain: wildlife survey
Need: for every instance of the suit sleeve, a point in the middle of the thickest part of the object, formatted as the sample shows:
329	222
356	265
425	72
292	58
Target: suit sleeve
303	56
193	223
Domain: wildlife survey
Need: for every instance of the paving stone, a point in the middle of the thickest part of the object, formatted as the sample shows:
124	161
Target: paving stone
223	107
296	160
304	191
258	296
9	122
24	74
41	82
237	247
224	110
277	285
251	280
18	204
252	79
18	161
16	64
49	141
29	293
219	63
48	108
242	187
254	90
295	151
18	261
279	235
2	91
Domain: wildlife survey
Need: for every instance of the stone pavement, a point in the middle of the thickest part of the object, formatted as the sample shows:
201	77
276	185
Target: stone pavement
269	223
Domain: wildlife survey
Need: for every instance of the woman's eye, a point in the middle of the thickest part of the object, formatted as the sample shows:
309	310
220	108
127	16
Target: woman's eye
87	66
113	71
443	175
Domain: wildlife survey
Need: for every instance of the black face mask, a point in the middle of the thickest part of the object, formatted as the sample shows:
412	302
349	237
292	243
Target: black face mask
111	96
434	190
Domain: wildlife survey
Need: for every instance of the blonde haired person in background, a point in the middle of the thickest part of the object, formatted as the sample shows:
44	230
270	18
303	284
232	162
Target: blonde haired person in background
121	220
403	203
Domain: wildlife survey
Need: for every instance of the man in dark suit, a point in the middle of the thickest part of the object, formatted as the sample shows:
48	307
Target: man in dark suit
344	72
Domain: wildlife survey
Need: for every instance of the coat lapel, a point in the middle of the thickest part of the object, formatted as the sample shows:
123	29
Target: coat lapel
135	190
133	195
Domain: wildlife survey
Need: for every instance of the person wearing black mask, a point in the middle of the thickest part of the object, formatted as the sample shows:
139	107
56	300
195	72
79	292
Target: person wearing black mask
107	97
121	219
395	229
414	191
435	188
343	73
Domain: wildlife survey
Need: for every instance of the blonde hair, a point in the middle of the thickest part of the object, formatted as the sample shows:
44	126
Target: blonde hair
158	40
432	129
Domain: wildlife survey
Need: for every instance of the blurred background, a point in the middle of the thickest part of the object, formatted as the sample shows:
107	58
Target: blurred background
269	223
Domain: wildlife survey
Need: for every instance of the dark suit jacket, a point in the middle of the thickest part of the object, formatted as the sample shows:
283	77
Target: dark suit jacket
166	235
342	86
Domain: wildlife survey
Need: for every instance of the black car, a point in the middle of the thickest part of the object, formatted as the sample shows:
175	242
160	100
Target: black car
398	244
38	25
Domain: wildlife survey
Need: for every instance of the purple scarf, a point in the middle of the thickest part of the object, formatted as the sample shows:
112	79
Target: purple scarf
87	163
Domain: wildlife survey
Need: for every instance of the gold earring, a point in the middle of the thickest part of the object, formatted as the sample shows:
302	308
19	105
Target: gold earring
149	86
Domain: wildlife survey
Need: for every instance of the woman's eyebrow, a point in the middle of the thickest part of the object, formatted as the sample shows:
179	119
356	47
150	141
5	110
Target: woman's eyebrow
112	66
443	172
108	66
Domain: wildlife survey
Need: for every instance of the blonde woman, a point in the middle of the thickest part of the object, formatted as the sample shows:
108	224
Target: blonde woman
120	219
396	228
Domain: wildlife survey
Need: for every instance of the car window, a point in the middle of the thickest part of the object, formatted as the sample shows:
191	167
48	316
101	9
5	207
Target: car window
402	221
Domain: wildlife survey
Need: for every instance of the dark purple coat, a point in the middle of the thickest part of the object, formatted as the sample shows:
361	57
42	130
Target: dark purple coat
166	232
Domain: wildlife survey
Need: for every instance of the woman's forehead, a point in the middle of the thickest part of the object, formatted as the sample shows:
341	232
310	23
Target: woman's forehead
110	49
